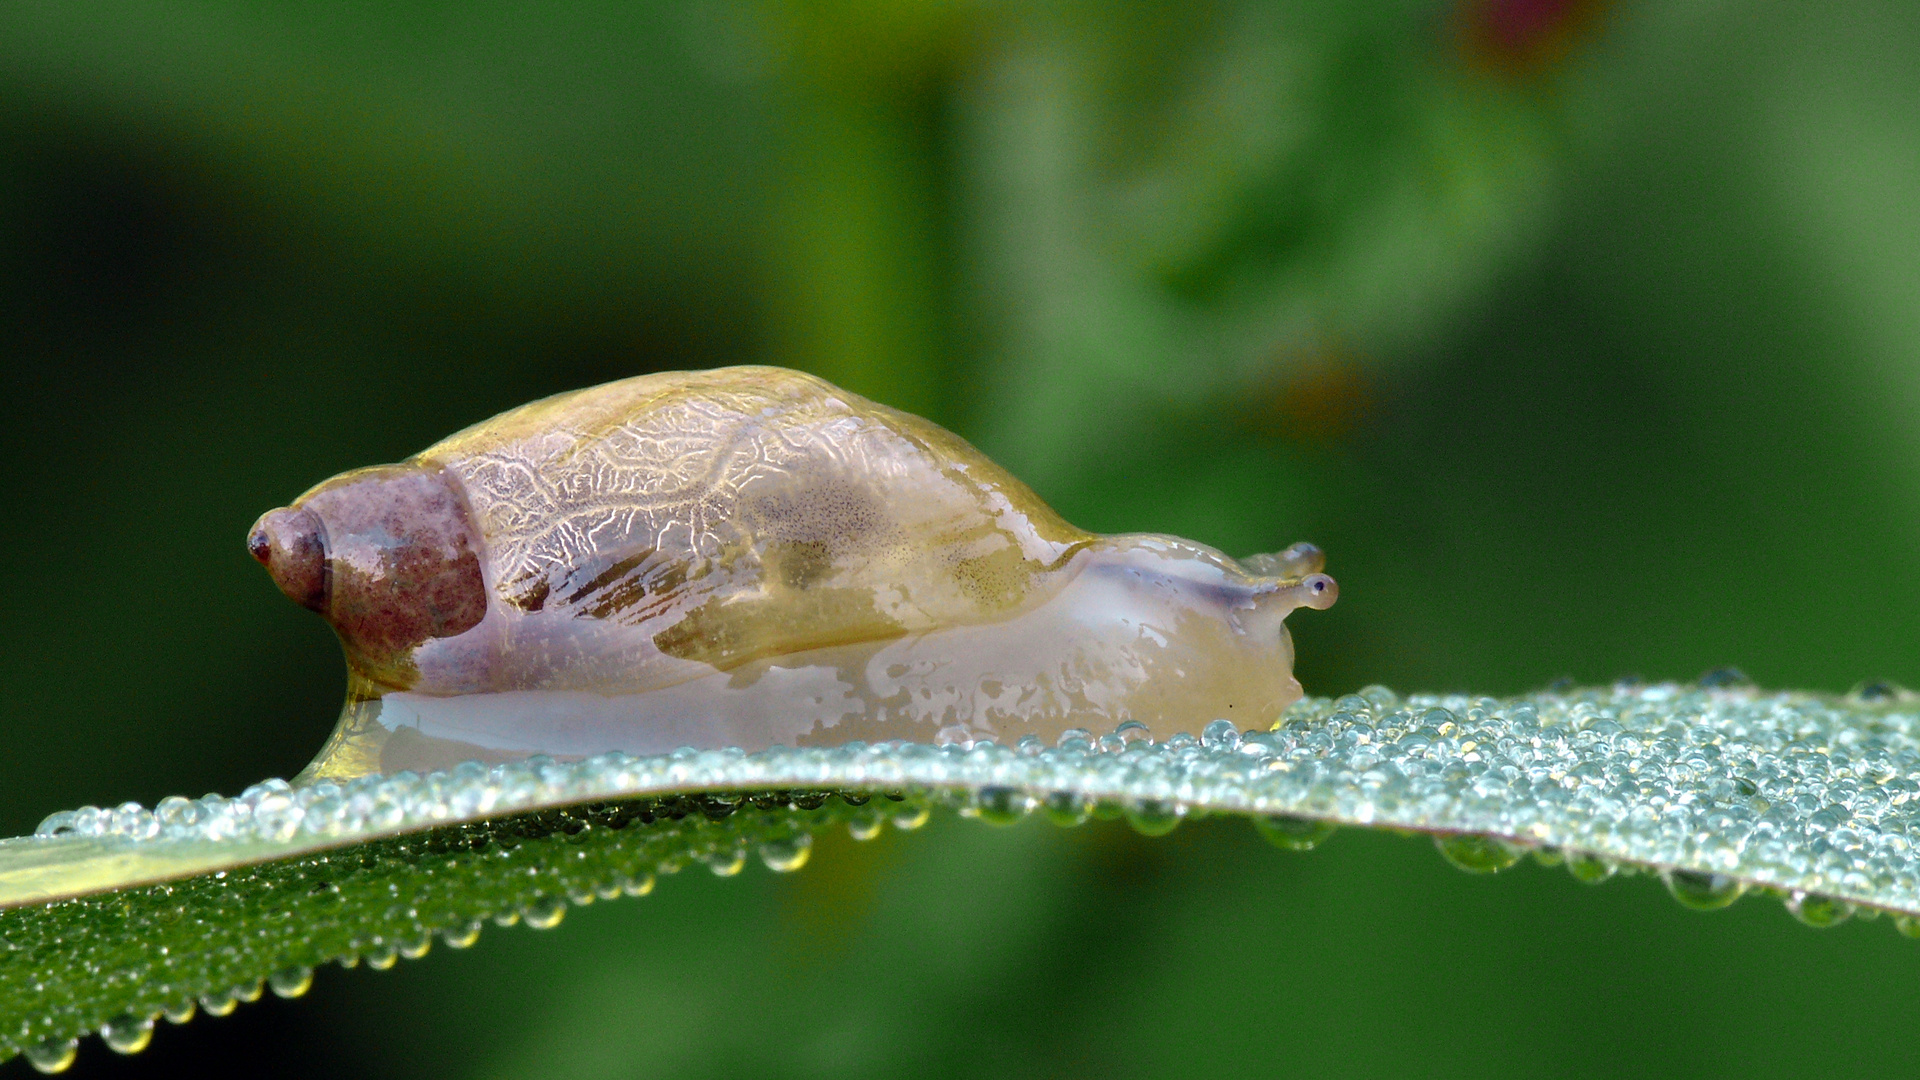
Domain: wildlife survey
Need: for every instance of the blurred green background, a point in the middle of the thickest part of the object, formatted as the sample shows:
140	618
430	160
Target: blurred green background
1584	337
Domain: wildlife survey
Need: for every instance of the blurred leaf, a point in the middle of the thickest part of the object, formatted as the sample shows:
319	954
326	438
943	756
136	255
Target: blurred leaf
119	917
1179	208
573	158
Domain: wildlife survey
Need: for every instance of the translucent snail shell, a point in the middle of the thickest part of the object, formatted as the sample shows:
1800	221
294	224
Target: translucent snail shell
750	557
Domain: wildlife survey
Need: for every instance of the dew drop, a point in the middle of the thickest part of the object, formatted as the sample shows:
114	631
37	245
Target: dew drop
291	982
1722	678
1703	892
220	1004
1132	731
912	817
544	913
1352	704
1872	692
788	853
177	811
59	823
1908	925
865	826
1293	833
52	1056
580	895
506	918
127	1033
179	1012
1220	735
639	886
250	992
1380	697
1478	854
1590	869
416	946
1152	817
382	957
461	937
1067	809
1000	805
730	861
1815	909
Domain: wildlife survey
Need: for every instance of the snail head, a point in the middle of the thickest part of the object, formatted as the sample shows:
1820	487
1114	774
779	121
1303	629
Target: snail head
388	556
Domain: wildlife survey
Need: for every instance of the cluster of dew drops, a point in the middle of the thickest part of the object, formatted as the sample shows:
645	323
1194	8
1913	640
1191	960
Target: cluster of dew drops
782	851
1715	787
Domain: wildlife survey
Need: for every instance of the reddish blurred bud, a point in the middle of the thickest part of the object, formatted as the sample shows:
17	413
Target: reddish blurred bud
1523	37
1322	400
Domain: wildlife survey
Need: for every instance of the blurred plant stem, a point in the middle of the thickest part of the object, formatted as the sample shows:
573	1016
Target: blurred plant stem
862	294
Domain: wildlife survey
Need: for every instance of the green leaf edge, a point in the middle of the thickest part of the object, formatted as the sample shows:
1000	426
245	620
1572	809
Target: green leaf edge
135	914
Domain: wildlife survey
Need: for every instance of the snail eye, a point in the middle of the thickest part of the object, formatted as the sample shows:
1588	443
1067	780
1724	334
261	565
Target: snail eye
260	546
292	545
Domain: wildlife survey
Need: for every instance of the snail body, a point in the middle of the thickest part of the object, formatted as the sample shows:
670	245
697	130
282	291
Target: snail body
749	557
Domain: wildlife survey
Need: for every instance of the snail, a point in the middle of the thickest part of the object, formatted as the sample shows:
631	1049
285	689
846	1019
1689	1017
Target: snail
749	557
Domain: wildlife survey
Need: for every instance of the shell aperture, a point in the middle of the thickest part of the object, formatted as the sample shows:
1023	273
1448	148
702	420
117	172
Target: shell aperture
749	557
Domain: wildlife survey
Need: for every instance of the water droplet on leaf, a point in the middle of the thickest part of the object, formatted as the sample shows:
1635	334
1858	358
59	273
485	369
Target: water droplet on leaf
1152	817
461	937
1478	854
1590	869
1067	809
52	1056
127	1034
1220	735
544	913
415	945
1000	805
1872	692
1703	892
788	853
291	982
865	826
1817	910
1293	833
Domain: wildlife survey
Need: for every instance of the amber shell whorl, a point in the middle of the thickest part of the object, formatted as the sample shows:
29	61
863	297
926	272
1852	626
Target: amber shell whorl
388	555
